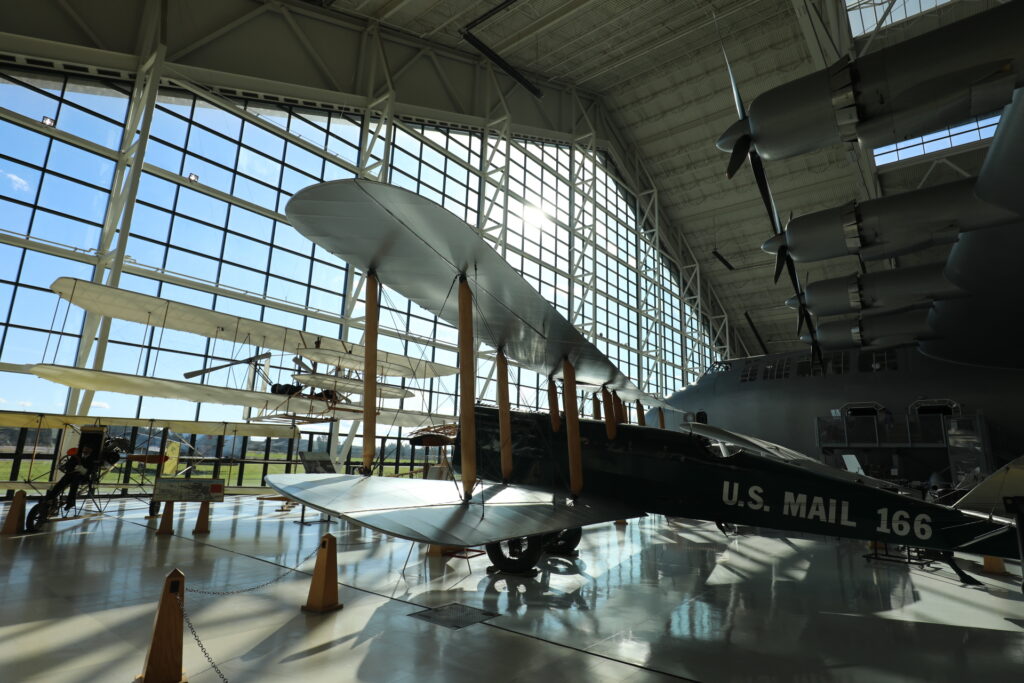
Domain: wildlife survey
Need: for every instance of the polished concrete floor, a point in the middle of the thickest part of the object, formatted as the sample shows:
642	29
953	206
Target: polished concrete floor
656	600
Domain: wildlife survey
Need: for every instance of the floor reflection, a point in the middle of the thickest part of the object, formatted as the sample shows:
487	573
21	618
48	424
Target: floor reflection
656	598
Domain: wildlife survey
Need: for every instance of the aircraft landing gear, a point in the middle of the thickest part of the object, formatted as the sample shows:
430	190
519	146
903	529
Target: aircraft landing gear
520	555
516	555
37	516
965	578
563	543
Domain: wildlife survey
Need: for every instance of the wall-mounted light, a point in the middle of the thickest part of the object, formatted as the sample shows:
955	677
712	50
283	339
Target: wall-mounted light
193	178
47	121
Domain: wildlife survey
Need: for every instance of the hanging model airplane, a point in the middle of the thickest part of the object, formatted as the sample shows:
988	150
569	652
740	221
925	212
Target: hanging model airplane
915	370
536	486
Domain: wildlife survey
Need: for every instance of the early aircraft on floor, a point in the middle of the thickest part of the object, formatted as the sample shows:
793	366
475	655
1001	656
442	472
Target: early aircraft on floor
529	480
312	395
914	369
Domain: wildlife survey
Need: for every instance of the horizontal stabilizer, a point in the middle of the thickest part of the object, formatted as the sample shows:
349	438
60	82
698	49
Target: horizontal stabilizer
987	497
431	511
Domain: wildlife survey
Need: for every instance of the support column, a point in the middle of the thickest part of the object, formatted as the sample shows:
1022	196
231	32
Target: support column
641	419
610	426
556	420
597	406
125	185
661	418
370	372
504	417
620	410
467	388
572	427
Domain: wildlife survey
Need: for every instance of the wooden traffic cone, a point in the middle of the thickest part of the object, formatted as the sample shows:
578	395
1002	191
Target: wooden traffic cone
14	523
993	565
163	660
203	521
167	520
323	589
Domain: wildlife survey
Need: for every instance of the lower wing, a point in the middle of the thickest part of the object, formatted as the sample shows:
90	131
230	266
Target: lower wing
430	511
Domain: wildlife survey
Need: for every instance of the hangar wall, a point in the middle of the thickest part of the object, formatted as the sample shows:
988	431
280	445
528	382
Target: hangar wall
191	210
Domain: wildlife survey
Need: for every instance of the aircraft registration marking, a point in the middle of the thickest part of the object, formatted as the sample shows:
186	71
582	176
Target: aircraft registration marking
827	510
799	505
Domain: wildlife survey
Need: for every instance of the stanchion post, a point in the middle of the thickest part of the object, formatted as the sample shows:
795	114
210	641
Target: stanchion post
14	522
323	589
203	521
163	660
167	520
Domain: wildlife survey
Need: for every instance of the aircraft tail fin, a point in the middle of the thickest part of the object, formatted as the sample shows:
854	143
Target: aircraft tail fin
987	497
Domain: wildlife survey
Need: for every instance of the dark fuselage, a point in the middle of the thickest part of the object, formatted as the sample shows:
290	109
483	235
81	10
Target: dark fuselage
678	474
778	399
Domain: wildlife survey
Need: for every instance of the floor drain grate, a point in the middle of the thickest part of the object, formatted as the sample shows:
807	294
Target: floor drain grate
454	615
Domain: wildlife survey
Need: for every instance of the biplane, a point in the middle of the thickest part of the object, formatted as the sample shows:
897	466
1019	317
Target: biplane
530	481
310	396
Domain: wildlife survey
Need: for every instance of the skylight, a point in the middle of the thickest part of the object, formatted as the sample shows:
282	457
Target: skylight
865	14
980	128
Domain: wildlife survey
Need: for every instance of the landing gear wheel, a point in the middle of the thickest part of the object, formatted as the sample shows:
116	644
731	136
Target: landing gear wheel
564	542
154	508
37	516
516	555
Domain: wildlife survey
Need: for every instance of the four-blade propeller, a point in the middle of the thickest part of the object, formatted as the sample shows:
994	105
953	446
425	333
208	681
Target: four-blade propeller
739	140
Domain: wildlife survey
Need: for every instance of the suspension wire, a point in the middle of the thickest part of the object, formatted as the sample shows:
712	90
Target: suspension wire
53	321
142	346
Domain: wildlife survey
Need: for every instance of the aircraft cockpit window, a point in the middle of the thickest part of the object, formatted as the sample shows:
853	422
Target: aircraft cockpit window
877	361
749	373
777	369
831	364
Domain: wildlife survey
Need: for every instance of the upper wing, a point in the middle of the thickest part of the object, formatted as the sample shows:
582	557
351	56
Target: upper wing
430	511
150	310
419	248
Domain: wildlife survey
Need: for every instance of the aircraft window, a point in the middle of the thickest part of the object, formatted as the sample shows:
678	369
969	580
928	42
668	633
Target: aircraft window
749	373
877	361
778	369
832	364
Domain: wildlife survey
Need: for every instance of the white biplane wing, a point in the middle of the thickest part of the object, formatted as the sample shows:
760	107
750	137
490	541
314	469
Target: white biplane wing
101	380
150	310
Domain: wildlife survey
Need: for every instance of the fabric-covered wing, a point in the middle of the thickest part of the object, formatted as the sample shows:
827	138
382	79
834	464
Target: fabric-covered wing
987	497
117	382
150	310
431	511
419	248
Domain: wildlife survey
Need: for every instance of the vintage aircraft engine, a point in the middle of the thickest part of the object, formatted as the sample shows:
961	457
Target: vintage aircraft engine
968	68
889	226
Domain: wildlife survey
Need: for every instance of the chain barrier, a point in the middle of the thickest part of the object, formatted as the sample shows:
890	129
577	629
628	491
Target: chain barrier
250	589
195	636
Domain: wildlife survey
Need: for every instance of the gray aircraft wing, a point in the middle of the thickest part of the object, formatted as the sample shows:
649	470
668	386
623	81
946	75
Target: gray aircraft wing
418	248
430	511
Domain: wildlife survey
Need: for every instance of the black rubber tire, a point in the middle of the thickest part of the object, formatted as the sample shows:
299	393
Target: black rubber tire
564	542
37	516
154	508
516	555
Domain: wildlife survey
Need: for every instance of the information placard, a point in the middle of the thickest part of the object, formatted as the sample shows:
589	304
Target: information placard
188	490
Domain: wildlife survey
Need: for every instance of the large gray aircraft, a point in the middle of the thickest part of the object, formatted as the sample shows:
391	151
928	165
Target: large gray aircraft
915	369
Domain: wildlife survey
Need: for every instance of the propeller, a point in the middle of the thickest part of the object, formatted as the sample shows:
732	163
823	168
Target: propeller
739	135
